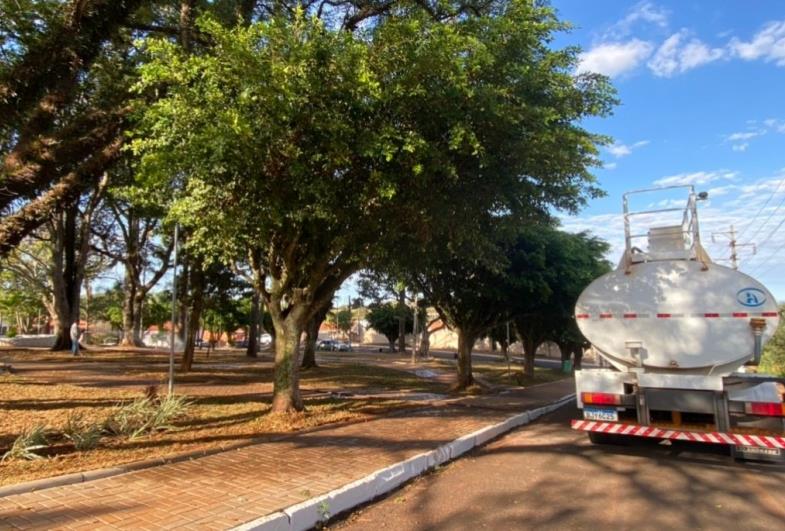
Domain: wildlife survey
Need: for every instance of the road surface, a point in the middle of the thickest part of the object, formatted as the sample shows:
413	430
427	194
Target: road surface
546	476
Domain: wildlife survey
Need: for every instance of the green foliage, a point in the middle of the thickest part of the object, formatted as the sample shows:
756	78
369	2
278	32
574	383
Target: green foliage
26	445
145	415
85	435
385	318
342	319
108	306
548	270
773	359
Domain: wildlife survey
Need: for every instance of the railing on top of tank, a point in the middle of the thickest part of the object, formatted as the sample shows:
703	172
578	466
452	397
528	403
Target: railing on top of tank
689	219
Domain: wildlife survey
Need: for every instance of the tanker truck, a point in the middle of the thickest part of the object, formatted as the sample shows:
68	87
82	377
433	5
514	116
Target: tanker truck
678	335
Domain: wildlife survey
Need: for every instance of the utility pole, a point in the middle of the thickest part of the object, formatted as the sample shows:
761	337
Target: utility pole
174	313
734	245
414	332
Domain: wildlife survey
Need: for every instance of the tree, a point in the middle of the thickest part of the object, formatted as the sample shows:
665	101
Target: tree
469	296
548	271
773	359
315	141
385	318
128	230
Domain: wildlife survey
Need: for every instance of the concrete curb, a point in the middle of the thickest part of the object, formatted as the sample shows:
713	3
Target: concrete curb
306	515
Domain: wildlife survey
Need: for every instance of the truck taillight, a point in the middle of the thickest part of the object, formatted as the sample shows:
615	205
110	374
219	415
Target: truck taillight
768	409
605	399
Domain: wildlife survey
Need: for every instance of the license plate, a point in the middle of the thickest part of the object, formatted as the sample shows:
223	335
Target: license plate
600	413
759	451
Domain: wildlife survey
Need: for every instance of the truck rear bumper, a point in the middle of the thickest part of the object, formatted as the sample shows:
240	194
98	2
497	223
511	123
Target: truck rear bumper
634	430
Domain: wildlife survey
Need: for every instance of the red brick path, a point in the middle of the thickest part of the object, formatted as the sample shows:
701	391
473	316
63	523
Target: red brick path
227	489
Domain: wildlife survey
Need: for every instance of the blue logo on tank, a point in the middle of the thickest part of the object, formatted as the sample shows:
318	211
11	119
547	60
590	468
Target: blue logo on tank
751	297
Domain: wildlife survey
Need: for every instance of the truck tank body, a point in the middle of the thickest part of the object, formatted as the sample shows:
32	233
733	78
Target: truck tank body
675	316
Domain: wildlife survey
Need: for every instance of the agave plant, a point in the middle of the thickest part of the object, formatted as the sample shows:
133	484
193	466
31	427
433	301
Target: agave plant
84	434
27	443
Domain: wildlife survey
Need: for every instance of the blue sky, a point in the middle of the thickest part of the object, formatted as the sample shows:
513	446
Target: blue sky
702	90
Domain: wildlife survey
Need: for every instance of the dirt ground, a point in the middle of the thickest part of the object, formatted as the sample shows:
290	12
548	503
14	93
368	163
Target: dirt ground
229	394
229	397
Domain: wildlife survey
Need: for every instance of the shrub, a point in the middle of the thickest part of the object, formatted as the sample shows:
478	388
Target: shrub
27	443
145	415
83	434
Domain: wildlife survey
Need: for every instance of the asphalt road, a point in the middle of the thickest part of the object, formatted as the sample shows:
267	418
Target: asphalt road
547	476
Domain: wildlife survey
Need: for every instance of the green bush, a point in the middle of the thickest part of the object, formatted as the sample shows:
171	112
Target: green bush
773	359
27	443
11	332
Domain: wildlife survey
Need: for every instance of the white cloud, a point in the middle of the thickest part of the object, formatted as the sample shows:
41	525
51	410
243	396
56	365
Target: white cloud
775	125
675	56
740	147
647	12
614	58
619	150
768	44
698	177
745	135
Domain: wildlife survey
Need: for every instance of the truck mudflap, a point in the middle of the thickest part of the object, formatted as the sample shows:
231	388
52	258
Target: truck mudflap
771	442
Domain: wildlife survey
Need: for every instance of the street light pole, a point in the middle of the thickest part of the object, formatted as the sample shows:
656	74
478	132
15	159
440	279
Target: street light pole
414	331
174	313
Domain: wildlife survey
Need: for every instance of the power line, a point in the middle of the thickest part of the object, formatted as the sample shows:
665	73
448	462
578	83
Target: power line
760	227
780	248
752	221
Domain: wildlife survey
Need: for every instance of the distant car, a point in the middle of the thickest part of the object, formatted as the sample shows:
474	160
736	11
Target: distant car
265	339
243	343
327	344
343	347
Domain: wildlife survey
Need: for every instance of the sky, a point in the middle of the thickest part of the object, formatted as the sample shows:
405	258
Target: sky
702	90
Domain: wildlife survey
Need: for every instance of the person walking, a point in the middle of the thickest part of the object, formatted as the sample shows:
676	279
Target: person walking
75	338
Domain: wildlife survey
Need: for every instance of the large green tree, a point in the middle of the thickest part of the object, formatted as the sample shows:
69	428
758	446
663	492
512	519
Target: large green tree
313	152
548	270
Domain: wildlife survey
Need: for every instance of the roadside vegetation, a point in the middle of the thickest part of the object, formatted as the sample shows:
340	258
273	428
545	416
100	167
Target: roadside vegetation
277	150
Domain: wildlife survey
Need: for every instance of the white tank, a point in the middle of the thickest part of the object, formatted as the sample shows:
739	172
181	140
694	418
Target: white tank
679	315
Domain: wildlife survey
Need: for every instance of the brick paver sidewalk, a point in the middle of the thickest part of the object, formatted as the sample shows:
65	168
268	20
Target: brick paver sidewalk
230	488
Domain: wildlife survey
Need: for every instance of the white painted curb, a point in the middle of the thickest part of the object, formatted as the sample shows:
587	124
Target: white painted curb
307	514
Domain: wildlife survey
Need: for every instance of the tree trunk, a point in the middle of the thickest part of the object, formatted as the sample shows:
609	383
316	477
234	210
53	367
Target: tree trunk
425	342
129	318
392	344
529	352
286	384
402	321
577	357
67	281
253	327
309	350
465	344
312	336
194	316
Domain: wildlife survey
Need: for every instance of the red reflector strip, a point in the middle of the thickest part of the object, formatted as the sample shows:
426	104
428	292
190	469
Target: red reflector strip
740	314
607	399
769	314
711	315
582	316
716	437
663	316
767	409
606	315
630	315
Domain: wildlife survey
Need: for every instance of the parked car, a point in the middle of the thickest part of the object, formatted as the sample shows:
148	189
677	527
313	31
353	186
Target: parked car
342	347
327	344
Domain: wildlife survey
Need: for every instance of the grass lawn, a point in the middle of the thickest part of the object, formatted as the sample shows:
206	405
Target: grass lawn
229	394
